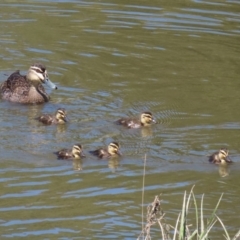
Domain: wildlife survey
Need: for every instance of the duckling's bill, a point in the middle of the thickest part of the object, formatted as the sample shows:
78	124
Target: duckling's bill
154	120
228	160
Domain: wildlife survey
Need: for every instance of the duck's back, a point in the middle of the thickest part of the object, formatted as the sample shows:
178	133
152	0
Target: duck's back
18	89
129	122
101	153
214	158
46	119
64	154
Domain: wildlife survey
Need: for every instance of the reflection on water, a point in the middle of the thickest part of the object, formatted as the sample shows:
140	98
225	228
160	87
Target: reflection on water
177	60
113	163
77	164
223	170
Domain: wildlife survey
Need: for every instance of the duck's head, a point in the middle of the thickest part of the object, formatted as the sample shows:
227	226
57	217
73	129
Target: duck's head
37	73
147	119
61	115
113	148
223	156
77	150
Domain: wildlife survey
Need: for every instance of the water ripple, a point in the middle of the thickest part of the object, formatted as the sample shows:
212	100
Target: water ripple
28	193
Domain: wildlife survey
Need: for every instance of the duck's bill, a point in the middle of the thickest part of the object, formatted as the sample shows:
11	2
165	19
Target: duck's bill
228	160
83	155
50	84
65	119
154	120
119	153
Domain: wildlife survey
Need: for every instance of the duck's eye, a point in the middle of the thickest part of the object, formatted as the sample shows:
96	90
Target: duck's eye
61	113
113	146
39	71
77	148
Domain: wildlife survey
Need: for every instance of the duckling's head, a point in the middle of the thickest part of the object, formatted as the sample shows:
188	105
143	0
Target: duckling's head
37	73
61	115
113	148
77	150
147	119
223	155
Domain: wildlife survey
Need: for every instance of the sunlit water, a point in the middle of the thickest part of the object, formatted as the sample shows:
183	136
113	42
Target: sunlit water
110	60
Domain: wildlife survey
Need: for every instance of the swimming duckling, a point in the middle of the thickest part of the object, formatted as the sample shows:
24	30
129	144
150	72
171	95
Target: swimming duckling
58	118
146	119
27	89
74	153
111	150
220	157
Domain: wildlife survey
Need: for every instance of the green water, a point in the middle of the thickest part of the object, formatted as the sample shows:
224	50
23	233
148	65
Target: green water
109	60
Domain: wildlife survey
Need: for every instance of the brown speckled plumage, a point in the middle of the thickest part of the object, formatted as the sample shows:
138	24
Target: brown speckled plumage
74	153
220	157
111	150
58	118
26	89
146	119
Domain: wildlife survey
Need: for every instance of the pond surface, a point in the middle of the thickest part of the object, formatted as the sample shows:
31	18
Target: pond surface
114	59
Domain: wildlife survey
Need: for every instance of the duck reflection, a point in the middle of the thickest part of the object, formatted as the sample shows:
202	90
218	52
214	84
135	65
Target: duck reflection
146	132
77	164
113	163
61	128
223	170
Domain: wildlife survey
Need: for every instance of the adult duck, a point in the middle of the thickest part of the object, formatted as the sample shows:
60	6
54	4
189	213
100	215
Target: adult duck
27	88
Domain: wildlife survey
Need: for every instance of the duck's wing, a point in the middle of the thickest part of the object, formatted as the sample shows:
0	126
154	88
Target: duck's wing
17	83
213	158
94	152
99	153
121	121
46	119
129	123
63	154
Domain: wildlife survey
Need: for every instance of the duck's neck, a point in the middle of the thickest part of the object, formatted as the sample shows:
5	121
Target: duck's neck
36	93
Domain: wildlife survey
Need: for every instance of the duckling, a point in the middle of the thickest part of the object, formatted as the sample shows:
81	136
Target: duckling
27	89
58	118
111	150
146	119
220	157
74	153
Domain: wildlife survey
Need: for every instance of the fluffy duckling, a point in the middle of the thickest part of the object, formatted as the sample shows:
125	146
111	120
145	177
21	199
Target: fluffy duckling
58	118
220	157
27	89
146	119
74	153
111	150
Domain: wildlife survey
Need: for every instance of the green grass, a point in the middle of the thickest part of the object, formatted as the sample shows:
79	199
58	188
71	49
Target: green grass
197	227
